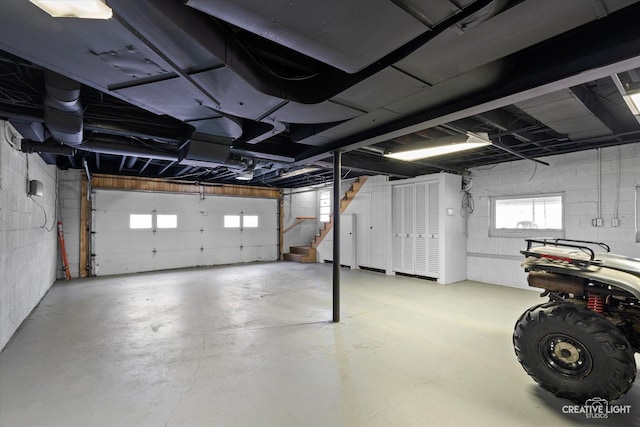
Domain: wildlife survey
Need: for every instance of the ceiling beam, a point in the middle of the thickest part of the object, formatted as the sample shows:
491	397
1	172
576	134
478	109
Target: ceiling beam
508	124
597	107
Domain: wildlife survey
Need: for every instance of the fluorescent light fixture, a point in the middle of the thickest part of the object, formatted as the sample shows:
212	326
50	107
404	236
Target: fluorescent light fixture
298	172
88	9
630	92
244	175
441	146
633	102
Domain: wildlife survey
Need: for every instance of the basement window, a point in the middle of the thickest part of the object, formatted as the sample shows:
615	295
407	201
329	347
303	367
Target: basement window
325	206
140	221
527	216
250	221
167	221
232	221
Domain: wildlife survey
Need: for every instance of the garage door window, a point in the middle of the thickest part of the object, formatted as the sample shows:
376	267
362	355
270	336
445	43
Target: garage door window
140	221
232	221
250	221
167	221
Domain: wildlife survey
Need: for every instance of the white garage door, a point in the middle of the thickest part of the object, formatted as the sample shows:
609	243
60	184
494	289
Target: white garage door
138	231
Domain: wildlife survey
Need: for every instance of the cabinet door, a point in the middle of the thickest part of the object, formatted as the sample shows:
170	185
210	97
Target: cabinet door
397	236
403	228
433	230
421	237
408	230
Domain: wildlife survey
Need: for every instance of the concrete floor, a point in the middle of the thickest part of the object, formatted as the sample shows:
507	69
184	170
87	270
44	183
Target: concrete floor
251	345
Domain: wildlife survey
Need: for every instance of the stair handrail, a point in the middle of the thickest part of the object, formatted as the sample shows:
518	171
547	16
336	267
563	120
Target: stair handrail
299	220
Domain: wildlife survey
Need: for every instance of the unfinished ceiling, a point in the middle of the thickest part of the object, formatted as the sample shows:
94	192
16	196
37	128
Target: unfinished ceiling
222	90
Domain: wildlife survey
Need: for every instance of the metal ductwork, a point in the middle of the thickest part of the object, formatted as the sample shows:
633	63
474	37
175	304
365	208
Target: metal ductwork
206	151
48	147
120	149
62	109
326	82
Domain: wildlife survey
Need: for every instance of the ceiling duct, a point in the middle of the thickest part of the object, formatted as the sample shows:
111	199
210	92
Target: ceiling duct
206	151
62	108
103	145
322	84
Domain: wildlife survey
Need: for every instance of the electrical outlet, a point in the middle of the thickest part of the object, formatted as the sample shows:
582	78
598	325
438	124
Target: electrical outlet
615	222
597	222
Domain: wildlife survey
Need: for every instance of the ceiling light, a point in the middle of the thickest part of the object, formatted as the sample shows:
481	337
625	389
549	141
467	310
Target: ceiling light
298	172
633	102
88	9
244	175
441	146
630	92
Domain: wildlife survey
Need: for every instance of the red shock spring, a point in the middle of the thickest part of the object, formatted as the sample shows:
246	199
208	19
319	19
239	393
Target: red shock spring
596	303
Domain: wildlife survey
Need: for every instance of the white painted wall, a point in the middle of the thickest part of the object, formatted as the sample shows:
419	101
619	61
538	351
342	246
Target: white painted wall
28	256
497	259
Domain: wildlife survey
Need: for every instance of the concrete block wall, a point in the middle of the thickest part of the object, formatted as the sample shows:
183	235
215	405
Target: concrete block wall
69	194
28	255
497	259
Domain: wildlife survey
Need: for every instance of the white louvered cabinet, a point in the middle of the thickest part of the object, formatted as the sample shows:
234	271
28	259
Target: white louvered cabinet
426	228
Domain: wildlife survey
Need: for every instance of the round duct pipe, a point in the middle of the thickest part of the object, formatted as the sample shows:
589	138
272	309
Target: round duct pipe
62	108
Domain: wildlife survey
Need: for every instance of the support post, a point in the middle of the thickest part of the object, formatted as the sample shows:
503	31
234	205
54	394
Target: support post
337	166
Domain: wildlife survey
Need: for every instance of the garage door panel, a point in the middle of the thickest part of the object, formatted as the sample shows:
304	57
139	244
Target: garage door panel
230	255
257	236
177	240
122	263
259	253
176	259
122	242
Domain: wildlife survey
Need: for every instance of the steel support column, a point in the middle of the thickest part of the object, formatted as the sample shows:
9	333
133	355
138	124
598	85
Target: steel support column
337	166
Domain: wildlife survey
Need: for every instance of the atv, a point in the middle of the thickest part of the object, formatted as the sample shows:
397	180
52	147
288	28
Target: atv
580	344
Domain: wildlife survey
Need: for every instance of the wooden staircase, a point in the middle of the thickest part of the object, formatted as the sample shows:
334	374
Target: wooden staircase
301	254
308	253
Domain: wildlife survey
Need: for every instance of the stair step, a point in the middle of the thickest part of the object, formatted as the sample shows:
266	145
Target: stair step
302	250
293	257
309	254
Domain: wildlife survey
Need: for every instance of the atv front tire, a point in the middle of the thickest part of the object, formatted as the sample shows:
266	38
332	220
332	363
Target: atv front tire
574	352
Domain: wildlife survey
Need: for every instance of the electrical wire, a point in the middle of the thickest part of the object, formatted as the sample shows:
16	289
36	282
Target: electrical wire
535	169
468	204
44	225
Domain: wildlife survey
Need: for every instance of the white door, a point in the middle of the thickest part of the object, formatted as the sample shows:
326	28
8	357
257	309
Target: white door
179	230
433	230
421	196
364	229
397	209
427	229
378	230
403	228
347	240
